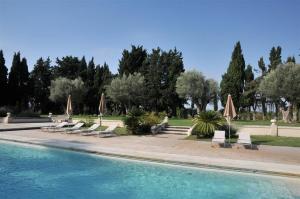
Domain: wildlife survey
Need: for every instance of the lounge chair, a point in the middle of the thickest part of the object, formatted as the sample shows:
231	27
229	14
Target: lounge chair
219	137
75	127
106	133
244	139
89	130
58	126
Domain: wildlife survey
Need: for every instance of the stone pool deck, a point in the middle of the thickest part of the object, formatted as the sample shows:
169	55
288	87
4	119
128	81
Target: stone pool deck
173	149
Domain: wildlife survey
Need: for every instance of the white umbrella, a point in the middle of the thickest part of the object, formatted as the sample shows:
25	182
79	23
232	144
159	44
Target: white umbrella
229	112
101	106
69	107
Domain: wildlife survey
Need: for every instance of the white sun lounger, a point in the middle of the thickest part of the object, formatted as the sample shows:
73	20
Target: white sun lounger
107	132
219	137
244	139
89	130
58	126
75	127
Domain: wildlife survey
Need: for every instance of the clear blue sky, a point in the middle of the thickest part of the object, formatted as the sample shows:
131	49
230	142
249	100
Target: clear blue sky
205	31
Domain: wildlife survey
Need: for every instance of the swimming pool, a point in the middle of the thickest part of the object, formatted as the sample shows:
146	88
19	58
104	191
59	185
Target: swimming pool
41	173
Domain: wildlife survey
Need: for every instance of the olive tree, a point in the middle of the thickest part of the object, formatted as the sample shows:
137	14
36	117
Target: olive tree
127	90
62	87
193	86
283	84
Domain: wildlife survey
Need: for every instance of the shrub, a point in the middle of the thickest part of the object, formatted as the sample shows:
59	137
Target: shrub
206	123
151	119
4	110
139	122
133	120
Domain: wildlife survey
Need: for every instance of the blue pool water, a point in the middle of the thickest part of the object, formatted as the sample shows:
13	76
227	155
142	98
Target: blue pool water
41	173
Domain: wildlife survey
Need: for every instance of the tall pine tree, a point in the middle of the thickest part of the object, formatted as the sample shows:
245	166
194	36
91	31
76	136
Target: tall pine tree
3	80
233	80
132	61
18	83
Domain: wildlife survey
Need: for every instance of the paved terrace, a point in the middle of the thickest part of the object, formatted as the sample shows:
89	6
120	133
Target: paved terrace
173	149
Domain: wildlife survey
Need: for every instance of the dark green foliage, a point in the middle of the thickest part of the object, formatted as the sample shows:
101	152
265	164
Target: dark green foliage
3	80
18	83
207	123
161	70
248	98
91	98
262	98
133	120
275	58
69	67
83	69
139	122
132	61
262	66
233	80
291	59
40	79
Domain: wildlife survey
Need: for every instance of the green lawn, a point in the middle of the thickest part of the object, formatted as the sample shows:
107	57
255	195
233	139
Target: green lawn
262	140
84	117
180	122
263	123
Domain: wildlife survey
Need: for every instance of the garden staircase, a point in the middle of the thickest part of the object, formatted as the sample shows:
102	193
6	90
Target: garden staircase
181	130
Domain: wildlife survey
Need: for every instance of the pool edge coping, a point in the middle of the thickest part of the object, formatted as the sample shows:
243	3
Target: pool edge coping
162	161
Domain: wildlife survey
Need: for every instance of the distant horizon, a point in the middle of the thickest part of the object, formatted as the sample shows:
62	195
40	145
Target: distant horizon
205	32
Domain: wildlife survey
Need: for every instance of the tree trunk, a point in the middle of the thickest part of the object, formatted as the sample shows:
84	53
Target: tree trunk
286	114
264	108
276	110
295	112
198	107
192	109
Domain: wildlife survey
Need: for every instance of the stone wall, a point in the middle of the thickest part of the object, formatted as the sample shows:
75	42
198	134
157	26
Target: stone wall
267	130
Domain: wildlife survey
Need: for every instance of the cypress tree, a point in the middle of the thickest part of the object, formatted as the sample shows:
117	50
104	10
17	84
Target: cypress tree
233	80
275	58
263	69
249	91
291	59
24	84
83	69
3	80
14	80
18	82
91	95
40	78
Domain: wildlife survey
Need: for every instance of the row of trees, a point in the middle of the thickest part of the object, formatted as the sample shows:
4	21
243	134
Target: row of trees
250	93
155	81
44	88
148	80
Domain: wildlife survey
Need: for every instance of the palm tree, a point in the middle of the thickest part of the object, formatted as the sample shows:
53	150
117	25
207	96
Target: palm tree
206	123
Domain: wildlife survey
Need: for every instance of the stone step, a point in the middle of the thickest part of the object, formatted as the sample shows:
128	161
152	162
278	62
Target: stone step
175	129
174	132
179	127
